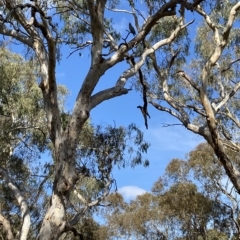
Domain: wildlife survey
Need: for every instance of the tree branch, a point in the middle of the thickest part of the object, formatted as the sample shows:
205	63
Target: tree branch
26	222
106	94
188	79
16	35
134	69
227	97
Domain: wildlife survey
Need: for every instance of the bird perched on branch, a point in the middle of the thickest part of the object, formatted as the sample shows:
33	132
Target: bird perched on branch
131	29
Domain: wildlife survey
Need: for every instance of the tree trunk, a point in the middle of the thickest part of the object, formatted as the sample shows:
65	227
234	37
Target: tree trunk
65	178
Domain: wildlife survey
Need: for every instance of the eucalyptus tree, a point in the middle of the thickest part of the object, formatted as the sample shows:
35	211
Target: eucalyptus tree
25	178
204	95
141	218
43	27
23	137
202	168
193	199
209	173
176	211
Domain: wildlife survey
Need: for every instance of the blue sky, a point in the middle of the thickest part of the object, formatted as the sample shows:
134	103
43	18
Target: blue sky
166	142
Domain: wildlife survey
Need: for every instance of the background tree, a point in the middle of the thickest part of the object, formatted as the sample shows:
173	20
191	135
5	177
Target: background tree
204	95
193	199
23	138
203	169
215	183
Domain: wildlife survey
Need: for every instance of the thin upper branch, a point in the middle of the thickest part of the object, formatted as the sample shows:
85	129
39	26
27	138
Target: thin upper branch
228	96
188	79
134	69
107	94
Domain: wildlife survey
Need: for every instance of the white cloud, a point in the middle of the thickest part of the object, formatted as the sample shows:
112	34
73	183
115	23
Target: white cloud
131	192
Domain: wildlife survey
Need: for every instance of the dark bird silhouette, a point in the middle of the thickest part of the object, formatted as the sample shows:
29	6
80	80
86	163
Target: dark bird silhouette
145	115
131	29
